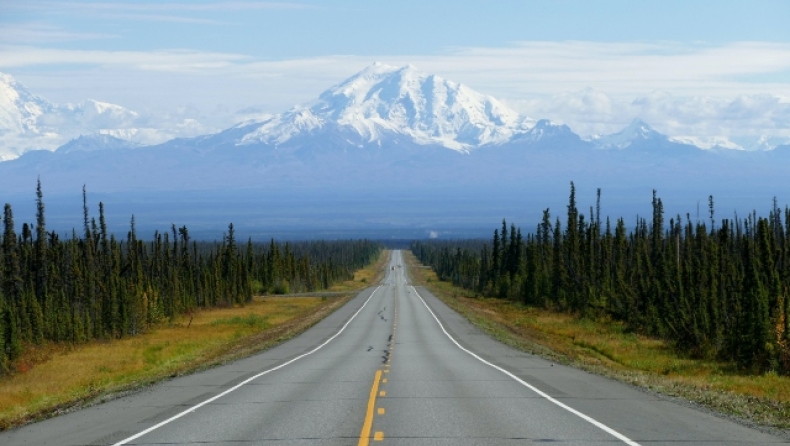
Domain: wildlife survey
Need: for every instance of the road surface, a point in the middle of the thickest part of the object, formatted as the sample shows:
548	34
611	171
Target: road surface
394	366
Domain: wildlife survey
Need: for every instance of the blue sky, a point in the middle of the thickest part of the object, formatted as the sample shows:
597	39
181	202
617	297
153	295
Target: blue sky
311	28
592	64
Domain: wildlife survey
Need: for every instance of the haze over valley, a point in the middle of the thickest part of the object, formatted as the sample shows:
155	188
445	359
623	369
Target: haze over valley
404	153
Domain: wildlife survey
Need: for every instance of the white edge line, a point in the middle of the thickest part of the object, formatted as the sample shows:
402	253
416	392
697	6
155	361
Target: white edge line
587	418
199	405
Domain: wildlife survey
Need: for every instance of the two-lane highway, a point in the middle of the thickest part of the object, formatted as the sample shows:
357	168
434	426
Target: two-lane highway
393	366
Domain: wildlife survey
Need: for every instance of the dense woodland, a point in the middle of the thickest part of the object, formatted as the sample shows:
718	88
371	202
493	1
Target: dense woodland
92	285
717	289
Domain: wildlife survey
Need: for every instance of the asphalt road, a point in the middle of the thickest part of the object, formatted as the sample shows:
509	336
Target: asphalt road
393	366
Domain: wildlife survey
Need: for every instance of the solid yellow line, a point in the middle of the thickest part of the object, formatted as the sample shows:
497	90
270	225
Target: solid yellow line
364	436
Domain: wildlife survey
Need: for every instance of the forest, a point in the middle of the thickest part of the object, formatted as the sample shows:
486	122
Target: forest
714	288
92	285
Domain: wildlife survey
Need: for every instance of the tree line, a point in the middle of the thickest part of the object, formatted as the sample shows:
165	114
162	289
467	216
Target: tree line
93	285
716	288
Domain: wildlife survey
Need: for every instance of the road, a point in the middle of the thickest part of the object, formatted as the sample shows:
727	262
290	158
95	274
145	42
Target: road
393	366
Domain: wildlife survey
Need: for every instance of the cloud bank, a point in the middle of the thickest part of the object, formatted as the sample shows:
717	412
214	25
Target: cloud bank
737	91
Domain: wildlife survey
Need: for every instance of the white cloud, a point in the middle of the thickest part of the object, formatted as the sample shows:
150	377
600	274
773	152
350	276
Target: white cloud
184	61
741	120
533	68
35	32
731	90
528	68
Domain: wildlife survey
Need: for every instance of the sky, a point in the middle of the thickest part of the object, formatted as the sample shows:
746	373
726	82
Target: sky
700	69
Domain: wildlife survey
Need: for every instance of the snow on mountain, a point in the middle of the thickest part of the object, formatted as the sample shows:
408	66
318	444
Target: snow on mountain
30	122
19	109
756	143
19	113
94	142
381	105
713	142
747	143
635	133
545	130
383	100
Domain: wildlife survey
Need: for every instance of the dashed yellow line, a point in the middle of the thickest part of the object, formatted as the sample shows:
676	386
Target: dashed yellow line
364	436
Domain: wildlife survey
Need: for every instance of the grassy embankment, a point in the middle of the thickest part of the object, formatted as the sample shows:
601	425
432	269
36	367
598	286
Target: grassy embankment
606	348
53	378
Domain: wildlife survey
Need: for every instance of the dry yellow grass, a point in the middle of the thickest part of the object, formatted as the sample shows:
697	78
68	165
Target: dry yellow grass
52	376
364	277
605	347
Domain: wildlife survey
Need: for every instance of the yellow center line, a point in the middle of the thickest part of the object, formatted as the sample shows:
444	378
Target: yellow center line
364	436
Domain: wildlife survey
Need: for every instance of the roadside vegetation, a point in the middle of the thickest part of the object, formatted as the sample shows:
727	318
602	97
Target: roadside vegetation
52	378
691	308
61	298
606	347
96	287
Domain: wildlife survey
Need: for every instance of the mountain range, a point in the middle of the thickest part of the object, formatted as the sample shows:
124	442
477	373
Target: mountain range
385	135
30	122
380	105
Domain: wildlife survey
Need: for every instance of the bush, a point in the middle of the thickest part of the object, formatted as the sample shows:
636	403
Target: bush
281	288
256	286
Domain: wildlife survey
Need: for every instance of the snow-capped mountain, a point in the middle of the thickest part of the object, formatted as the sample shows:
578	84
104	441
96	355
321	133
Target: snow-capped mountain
30	122
383	101
97	141
709	143
19	114
545	131
636	133
757	143
405	142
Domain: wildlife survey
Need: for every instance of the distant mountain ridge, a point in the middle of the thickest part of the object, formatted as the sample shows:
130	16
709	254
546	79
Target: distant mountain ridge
384	105
387	106
31	122
96	142
381	106
422	150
